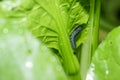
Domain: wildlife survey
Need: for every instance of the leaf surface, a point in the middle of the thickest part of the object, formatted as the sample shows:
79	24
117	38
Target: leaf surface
52	21
55	18
22	57
106	61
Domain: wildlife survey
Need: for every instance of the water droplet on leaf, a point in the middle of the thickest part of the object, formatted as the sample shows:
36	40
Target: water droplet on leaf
29	64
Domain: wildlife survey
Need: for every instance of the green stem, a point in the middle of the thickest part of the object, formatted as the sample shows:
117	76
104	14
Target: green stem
87	46
96	26
91	42
70	61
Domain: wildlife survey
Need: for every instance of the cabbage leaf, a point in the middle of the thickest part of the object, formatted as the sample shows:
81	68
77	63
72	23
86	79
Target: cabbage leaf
22	57
52	21
105	63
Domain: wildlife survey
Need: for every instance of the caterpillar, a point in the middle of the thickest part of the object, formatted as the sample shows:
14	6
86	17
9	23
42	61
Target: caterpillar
73	35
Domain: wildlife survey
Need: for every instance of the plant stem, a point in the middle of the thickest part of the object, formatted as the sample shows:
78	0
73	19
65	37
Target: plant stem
90	45
96	26
87	46
70	62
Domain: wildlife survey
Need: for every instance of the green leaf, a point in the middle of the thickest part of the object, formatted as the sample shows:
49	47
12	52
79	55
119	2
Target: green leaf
64	14
53	21
6	6
22	57
106	60
15	8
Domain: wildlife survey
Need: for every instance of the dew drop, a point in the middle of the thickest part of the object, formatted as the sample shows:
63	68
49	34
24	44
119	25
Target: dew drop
89	77
29	64
107	72
92	67
24	19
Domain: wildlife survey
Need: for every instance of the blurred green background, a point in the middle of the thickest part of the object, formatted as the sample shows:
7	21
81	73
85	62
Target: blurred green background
110	17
